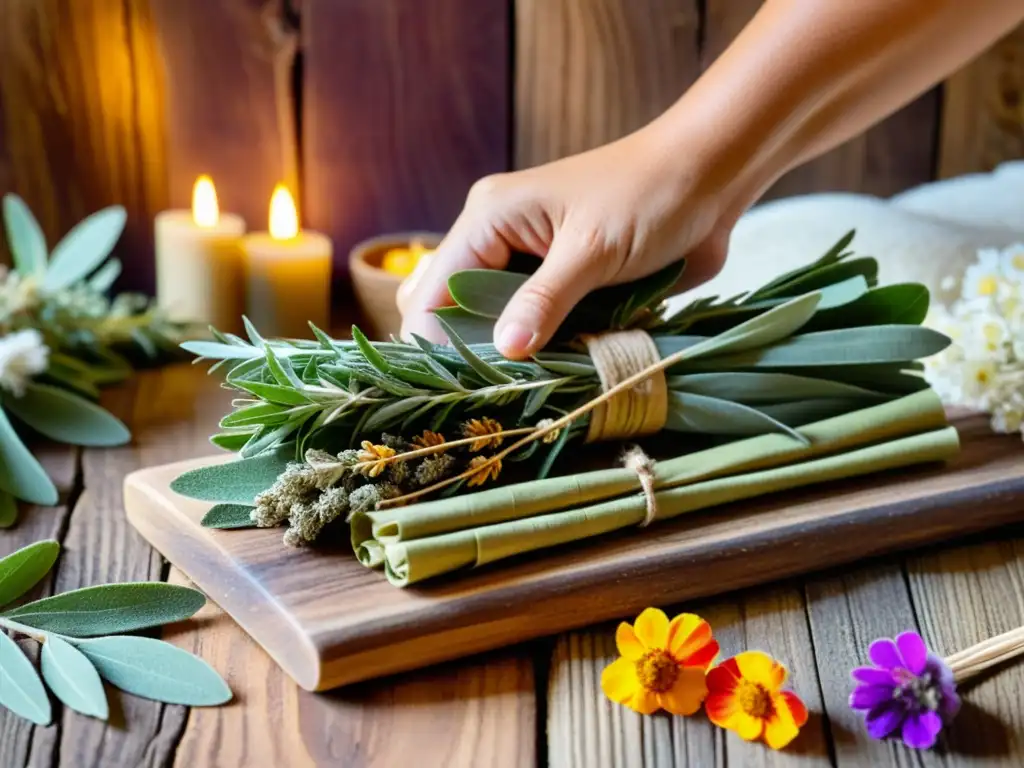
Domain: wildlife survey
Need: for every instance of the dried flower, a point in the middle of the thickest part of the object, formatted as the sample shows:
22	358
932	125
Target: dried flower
373	459
484	429
907	689
326	468
306	521
745	695
484	473
662	663
428	439
433	469
551	436
397	442
22	355
399	472
295	486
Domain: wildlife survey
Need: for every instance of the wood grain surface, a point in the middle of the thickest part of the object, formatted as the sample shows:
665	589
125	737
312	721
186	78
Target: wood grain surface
83	127
330	622
983	111
403	109
591	71
229	100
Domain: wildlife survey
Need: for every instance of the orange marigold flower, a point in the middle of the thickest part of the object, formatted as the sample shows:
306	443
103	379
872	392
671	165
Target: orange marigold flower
745	695
662	664
372	459
428	439
483	429
489	472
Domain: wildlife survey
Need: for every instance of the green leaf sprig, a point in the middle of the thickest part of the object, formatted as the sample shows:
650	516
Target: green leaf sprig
79	634
91	340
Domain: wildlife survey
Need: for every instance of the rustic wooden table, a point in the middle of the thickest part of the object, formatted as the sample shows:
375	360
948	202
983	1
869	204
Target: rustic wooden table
531	705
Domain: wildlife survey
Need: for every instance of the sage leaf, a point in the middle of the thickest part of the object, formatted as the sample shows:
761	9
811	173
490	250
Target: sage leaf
756	387
84	248
899	304
25	237
269	436
487	372
218	351
228	516
393	412
21	690
8	510
231	441
484	292
105	276
472	329
713	416
235	482
23	569
156	670
72	678
67	418
110	608
21	475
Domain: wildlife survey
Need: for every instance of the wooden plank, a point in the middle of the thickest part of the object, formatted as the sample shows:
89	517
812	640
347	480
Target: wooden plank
474	713
847	612
962	596
894	155
163	409
402	118
228	67
82	129
22	743
983	110
585	730
591	71
381	630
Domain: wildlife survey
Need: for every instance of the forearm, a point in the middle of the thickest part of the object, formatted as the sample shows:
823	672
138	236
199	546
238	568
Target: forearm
806	75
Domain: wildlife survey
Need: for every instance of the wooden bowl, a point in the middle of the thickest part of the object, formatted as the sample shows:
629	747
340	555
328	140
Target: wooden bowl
376	290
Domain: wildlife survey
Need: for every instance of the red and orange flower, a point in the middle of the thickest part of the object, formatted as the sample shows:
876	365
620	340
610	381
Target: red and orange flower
745	695
663	663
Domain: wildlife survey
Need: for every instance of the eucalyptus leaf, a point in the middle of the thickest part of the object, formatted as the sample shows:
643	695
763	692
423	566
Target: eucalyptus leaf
228	516
899	304
21	474
23	569
25	237
110	608
8	510
21	690
65	417
72	678
752	388
236	482
156	670
84	248
714	416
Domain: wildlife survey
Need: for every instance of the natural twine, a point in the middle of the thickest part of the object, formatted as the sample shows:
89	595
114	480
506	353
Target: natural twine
638	410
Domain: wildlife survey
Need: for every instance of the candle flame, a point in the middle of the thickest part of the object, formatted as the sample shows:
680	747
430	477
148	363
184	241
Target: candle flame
205	211
284	218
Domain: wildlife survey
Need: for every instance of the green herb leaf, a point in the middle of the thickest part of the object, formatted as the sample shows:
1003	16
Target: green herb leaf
110	608
252	333
65	417
84	248
23	569
8	510
21	690
756	387
373	357
714	416
273	393
260	413
899	304
231	441
73	678
485	371
21	474
105	276
393	412
472	329
156	670
228	516
235	482
281	370
25	237
218	351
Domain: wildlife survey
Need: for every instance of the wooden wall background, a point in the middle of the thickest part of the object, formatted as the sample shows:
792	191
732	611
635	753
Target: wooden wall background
381	113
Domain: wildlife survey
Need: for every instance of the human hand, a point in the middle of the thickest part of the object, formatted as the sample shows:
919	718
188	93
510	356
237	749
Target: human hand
607	216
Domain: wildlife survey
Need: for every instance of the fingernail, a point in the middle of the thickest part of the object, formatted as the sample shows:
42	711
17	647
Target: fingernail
514	340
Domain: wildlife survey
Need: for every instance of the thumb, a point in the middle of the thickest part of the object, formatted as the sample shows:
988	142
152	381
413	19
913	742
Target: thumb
545	300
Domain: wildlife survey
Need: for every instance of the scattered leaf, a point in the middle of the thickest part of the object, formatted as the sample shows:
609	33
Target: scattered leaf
72	678
25	237
84	248
21	474
23	569
229	516
67	418
21	690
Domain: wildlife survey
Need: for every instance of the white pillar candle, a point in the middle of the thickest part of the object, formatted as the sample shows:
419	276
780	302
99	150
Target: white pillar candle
199	274
288	274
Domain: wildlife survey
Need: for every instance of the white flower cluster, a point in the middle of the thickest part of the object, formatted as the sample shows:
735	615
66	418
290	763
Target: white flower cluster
22	355
983	368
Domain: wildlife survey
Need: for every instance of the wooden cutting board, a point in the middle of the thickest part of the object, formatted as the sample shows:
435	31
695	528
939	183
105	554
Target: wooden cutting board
329	622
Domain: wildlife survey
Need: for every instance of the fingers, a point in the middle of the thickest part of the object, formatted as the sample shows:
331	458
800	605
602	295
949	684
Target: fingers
536	310
427	287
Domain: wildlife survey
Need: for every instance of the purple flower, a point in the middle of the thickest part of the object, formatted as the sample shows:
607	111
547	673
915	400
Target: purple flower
907	688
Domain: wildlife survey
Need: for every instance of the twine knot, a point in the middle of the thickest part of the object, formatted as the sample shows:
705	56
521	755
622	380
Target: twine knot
639	410
638	461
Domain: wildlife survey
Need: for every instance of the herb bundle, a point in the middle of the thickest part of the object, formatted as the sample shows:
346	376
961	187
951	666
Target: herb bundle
61	339
83	642
329	428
